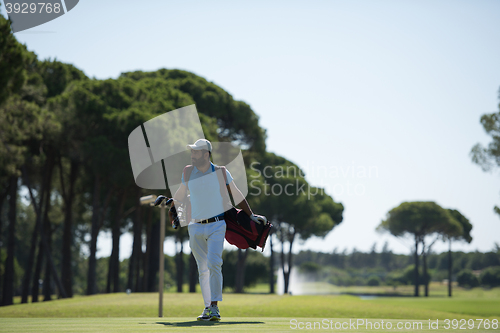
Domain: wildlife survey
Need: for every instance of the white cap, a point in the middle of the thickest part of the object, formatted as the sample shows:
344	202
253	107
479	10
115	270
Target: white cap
201	144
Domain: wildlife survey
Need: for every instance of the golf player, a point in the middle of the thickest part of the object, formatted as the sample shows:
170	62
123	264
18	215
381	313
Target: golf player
207	227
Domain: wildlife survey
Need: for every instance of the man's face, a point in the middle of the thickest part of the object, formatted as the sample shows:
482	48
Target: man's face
198	157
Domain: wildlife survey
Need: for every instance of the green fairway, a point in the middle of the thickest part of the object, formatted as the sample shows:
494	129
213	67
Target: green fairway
252	305
261	305
230	324
138	312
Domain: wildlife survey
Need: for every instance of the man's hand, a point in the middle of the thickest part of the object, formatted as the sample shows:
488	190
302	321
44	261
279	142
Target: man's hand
174	218
260	219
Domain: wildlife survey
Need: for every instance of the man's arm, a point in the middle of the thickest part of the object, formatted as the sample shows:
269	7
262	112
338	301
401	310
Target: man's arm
239	199
180	194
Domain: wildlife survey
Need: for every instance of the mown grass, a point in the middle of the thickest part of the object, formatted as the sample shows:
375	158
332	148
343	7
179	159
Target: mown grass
259	305
184	324
138	312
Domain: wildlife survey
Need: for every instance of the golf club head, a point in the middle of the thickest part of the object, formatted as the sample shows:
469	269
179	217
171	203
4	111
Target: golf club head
159	200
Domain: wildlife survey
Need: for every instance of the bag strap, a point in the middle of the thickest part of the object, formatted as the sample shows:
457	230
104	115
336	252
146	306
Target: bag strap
223	168
226	201
188	169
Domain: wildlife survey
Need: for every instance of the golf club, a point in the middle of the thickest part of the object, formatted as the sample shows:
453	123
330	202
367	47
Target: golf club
161	198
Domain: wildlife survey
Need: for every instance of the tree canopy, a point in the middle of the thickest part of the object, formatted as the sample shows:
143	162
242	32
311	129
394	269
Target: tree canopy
291	204
12	61
488	158
420	219
236	121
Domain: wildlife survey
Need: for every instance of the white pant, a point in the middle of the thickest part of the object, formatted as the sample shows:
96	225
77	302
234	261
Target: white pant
207	241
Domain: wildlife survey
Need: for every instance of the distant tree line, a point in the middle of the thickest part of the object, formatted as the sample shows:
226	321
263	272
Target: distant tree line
388	268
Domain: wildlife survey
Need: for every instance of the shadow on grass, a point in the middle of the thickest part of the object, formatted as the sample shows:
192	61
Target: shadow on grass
207	323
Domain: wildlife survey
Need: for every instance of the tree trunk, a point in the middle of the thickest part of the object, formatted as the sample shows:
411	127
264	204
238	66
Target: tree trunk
285	272
416	267
67	239
47	169
240	270
180	265
271	266
424	258
8	279
52	266
193	273
2	199
114	259
91	277
154	257
290	257
147	254
35	289
31	259
98	215
450	265
47	231
44	195
110	273
139	257
47	285
288	261
136	245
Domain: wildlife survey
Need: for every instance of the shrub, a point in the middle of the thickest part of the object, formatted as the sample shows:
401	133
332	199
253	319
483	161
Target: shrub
465	278
309	267
339	277
409	276
395	279
358	281
373	281
491	276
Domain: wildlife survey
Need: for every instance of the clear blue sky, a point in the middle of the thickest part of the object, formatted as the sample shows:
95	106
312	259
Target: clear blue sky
395	85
